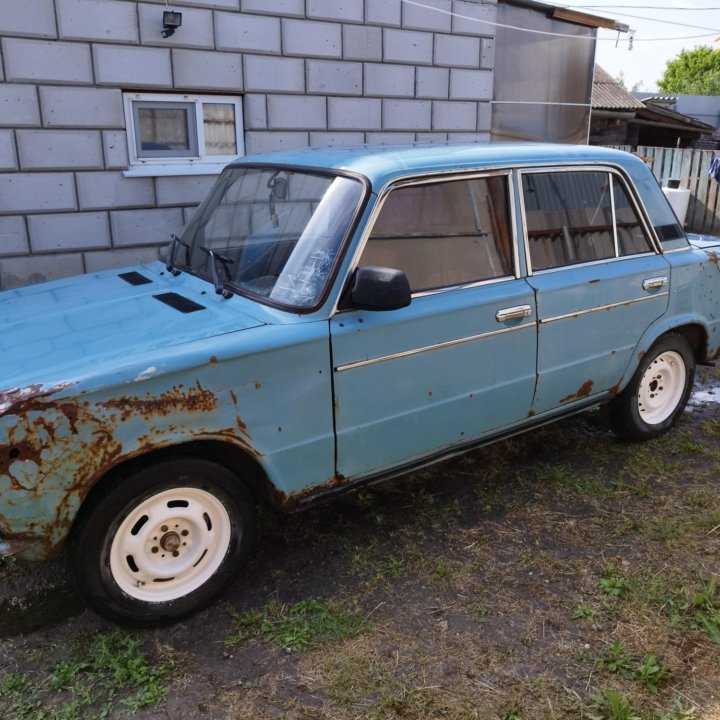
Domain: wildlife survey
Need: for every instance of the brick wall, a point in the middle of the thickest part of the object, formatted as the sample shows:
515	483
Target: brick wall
310	72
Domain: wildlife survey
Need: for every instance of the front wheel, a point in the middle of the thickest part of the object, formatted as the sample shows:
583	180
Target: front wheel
161	543
658	392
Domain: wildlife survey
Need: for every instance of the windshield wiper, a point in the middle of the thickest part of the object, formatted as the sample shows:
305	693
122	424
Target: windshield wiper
170	264
216	258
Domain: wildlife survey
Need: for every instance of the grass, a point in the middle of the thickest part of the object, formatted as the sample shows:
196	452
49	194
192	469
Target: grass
103	675
305	624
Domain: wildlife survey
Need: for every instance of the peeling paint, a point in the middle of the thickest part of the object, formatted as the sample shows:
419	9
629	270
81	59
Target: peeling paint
16	400
146	374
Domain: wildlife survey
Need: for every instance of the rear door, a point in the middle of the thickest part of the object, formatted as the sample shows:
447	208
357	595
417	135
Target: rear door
459	362
599	282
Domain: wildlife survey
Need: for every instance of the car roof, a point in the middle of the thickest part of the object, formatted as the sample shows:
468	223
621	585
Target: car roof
383	163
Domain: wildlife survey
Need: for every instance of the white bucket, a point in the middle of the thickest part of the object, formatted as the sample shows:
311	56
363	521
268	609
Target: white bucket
679	199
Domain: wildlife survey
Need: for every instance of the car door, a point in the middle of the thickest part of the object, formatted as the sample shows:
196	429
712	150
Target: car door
599	282
459	361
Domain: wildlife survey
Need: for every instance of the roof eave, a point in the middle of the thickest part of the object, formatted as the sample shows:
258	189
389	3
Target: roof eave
563	13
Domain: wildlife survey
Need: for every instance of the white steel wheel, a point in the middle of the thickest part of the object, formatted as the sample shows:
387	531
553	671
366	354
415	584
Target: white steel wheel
153	546
661	387
655	397
170	545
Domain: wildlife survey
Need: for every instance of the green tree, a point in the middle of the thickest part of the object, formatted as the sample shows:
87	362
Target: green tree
693	72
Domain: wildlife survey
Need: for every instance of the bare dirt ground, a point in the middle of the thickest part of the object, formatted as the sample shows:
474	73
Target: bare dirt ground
561	574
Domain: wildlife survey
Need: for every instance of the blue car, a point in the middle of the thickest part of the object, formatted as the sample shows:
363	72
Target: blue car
330	318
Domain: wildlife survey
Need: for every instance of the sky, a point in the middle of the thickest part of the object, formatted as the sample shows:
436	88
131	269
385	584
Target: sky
656	24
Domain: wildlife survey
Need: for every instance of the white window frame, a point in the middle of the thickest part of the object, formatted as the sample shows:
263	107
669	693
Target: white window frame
199	164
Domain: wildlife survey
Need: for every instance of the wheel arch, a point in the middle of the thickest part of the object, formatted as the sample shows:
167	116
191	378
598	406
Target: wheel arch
241	463
692	329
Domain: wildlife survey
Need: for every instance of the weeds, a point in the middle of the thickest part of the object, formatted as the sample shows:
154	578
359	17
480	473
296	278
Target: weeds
581	612
645	670
104	674
699	610
614	585
297	627
650	673
615	660
610	705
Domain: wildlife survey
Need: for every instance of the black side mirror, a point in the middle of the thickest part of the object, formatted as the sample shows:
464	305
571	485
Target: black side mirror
379	288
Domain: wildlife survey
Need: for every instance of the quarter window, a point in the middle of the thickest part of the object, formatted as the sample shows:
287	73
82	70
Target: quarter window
203	132
445	233
578	217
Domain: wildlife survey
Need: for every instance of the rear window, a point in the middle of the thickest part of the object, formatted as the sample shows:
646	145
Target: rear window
578	217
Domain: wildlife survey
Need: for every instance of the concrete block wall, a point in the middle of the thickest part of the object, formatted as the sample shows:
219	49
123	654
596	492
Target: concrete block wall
309	73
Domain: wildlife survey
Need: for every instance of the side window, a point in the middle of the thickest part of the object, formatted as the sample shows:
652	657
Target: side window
445	233
577	217
632	238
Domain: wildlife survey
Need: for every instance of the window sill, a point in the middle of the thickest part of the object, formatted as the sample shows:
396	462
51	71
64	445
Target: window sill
176	169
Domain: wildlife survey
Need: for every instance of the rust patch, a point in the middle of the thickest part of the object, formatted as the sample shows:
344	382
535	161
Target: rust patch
243	427
18	401
195	399
234	397
257	384
583	391
532	413
213	361
292	502
714	258
75	443
641	355
615	389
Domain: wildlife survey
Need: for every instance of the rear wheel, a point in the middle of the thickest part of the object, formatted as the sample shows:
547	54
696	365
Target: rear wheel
162	543
658	392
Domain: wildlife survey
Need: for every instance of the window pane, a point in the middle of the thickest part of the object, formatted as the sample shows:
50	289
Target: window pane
569	218
163	129
444	234
219	125
631	236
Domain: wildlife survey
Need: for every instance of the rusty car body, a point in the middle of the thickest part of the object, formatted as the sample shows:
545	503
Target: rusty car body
329	318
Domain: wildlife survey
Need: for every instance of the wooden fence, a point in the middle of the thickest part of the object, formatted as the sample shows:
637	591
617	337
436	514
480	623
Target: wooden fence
691	168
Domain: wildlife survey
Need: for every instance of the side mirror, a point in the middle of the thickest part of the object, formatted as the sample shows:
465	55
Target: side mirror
379	288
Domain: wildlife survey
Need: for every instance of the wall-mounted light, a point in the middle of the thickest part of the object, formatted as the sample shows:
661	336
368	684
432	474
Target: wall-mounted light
171	22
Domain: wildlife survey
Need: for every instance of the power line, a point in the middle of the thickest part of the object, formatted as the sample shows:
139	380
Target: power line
665	22
642	7
631	39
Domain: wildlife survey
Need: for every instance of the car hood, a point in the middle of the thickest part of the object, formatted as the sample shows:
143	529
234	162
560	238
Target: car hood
66	330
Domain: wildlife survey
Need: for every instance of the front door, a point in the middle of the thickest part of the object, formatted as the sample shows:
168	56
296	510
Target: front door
459	362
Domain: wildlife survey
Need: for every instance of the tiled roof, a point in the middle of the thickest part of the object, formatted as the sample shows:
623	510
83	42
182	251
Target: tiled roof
609	94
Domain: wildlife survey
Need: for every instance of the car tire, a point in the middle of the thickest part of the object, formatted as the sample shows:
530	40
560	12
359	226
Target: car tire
162	543
658	392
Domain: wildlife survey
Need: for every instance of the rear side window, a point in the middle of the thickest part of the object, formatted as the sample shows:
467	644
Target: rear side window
444	234
579	217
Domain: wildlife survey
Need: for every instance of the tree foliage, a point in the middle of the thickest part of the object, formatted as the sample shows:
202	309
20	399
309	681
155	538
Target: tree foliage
693	72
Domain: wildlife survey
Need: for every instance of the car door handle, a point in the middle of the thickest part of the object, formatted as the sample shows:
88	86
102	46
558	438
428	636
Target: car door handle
656	282
513	313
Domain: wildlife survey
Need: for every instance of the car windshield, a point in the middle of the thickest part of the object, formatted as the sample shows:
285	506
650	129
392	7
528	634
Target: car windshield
271	233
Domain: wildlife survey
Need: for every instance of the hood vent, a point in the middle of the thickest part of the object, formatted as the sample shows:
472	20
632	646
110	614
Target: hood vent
178	302
134	278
